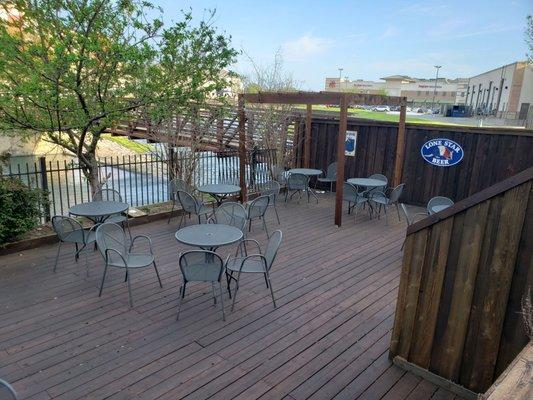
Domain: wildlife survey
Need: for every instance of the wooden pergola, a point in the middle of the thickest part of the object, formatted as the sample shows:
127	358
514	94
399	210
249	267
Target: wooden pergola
343	100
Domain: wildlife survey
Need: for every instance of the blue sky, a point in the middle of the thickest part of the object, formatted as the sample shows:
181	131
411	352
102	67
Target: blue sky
369	39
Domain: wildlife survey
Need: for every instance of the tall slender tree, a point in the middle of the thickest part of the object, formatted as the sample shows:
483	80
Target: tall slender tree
71	69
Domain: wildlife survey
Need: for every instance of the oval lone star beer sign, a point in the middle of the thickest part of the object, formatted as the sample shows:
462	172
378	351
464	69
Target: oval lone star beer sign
442	152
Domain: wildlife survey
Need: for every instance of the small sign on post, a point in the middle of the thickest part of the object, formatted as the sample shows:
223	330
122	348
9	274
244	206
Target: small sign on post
350	144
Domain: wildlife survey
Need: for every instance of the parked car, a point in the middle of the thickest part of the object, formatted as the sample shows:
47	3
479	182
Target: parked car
382	108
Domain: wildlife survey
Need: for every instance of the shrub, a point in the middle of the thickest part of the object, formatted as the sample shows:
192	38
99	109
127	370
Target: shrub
20	208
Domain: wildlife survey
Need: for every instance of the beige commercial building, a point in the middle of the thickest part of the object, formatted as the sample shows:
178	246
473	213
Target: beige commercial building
421	92
505	92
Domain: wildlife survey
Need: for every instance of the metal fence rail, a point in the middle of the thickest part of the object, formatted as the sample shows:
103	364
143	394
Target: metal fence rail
140	179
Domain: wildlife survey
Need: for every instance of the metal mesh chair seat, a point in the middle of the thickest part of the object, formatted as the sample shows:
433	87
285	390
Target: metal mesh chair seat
133	260
80	236
116	218
438	201
331	175
254	264
256	209
380	198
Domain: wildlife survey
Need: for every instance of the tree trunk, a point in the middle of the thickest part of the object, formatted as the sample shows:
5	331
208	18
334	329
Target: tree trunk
91	172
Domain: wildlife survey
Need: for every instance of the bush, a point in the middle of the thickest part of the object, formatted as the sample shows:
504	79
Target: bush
20	209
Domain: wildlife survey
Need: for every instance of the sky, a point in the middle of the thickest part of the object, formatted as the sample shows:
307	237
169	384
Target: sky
368	39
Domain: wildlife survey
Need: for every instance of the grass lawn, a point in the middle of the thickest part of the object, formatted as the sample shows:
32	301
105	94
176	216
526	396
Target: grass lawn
380	116
129	144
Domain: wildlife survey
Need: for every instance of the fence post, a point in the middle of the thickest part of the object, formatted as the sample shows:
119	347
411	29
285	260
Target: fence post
44	185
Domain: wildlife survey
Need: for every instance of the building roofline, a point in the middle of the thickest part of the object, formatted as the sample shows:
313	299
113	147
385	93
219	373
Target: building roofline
497	68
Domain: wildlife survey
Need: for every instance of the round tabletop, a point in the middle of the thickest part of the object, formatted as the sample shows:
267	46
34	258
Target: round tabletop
436	209
209	235
367	182
96	209
219	188
305	171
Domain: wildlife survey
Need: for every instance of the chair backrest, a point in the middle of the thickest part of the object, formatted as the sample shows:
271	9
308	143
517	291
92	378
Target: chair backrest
231	213
438	201
175	185
298	182
380	177
107	195
278	173
6	391
64	226
272	248
411	218
331	172
201	266
111	236
188	201
396	193
270	188
350	192
258	206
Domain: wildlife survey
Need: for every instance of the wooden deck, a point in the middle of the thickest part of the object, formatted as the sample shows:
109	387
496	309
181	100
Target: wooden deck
336	291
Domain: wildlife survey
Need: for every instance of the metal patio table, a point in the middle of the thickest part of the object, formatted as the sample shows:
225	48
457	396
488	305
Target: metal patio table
436	209
209	236
219	191
98	211
309	172
367	182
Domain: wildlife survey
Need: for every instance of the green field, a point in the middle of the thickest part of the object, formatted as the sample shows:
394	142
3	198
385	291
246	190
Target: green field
129	144
380	116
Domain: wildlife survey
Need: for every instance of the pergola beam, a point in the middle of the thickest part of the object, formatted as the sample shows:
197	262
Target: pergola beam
317	98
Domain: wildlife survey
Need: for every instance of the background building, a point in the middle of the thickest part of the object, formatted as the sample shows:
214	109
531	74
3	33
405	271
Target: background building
420	92
505	92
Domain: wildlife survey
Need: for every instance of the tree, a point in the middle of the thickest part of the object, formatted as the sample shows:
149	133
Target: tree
72	69
529	37
270	121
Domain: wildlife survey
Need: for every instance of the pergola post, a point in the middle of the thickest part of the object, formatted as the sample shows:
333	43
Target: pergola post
307	142
343	125
242	147
400	145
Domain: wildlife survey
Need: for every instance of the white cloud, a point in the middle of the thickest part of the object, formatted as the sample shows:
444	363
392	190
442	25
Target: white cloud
389	32
305	46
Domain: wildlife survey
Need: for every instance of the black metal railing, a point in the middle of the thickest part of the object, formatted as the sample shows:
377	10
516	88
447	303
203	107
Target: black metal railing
141	179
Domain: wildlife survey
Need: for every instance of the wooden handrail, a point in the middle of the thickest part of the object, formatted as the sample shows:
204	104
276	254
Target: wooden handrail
471	201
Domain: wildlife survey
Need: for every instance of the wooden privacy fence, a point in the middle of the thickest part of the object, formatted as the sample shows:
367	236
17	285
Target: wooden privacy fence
490	155
465	272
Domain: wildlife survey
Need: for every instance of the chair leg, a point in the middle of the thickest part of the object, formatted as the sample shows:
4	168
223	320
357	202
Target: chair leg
236	289
222	301
250	225
129	291
127	223
265	226
386	215
158	277
126	276
77	255
184	285
214	294
86	264
276	211
228	281
266	280
182	294
181	220
103	279
271	289
171	211
57	255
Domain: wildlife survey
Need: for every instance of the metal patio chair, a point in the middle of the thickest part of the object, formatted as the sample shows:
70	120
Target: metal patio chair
230	213
271	189
69	230
356	199
438	201
298	183
381	199
6	391
257	263
113	195
279	175
112	244
256	209
174	186
411	218
331	176
192	205
201	266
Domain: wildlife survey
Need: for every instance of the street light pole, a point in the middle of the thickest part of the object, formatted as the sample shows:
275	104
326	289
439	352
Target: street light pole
437	67
340	77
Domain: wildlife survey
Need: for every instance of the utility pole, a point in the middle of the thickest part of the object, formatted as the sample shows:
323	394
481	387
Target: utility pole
437	67
340	78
